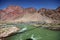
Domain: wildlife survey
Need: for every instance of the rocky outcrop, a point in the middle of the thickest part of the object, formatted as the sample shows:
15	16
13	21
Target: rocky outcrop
11	13
52	14
16	13
31	10
4	32
58	9
42	10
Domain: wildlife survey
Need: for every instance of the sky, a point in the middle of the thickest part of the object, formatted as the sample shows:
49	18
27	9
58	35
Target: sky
49	4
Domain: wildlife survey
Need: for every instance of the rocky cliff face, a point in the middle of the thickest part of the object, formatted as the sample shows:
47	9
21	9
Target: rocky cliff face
12	12
19	14
58	9
52	14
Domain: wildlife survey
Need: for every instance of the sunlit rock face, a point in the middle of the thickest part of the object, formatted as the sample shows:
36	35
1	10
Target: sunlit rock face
52	14
16	13
12	12
30	10
42	10
13	8
4	32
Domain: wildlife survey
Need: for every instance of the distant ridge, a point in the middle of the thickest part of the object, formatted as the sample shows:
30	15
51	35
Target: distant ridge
20	14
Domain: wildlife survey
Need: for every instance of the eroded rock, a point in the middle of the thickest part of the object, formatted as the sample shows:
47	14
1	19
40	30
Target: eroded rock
4	32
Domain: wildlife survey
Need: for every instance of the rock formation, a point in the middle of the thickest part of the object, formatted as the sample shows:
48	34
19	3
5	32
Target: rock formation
4	32
19	14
